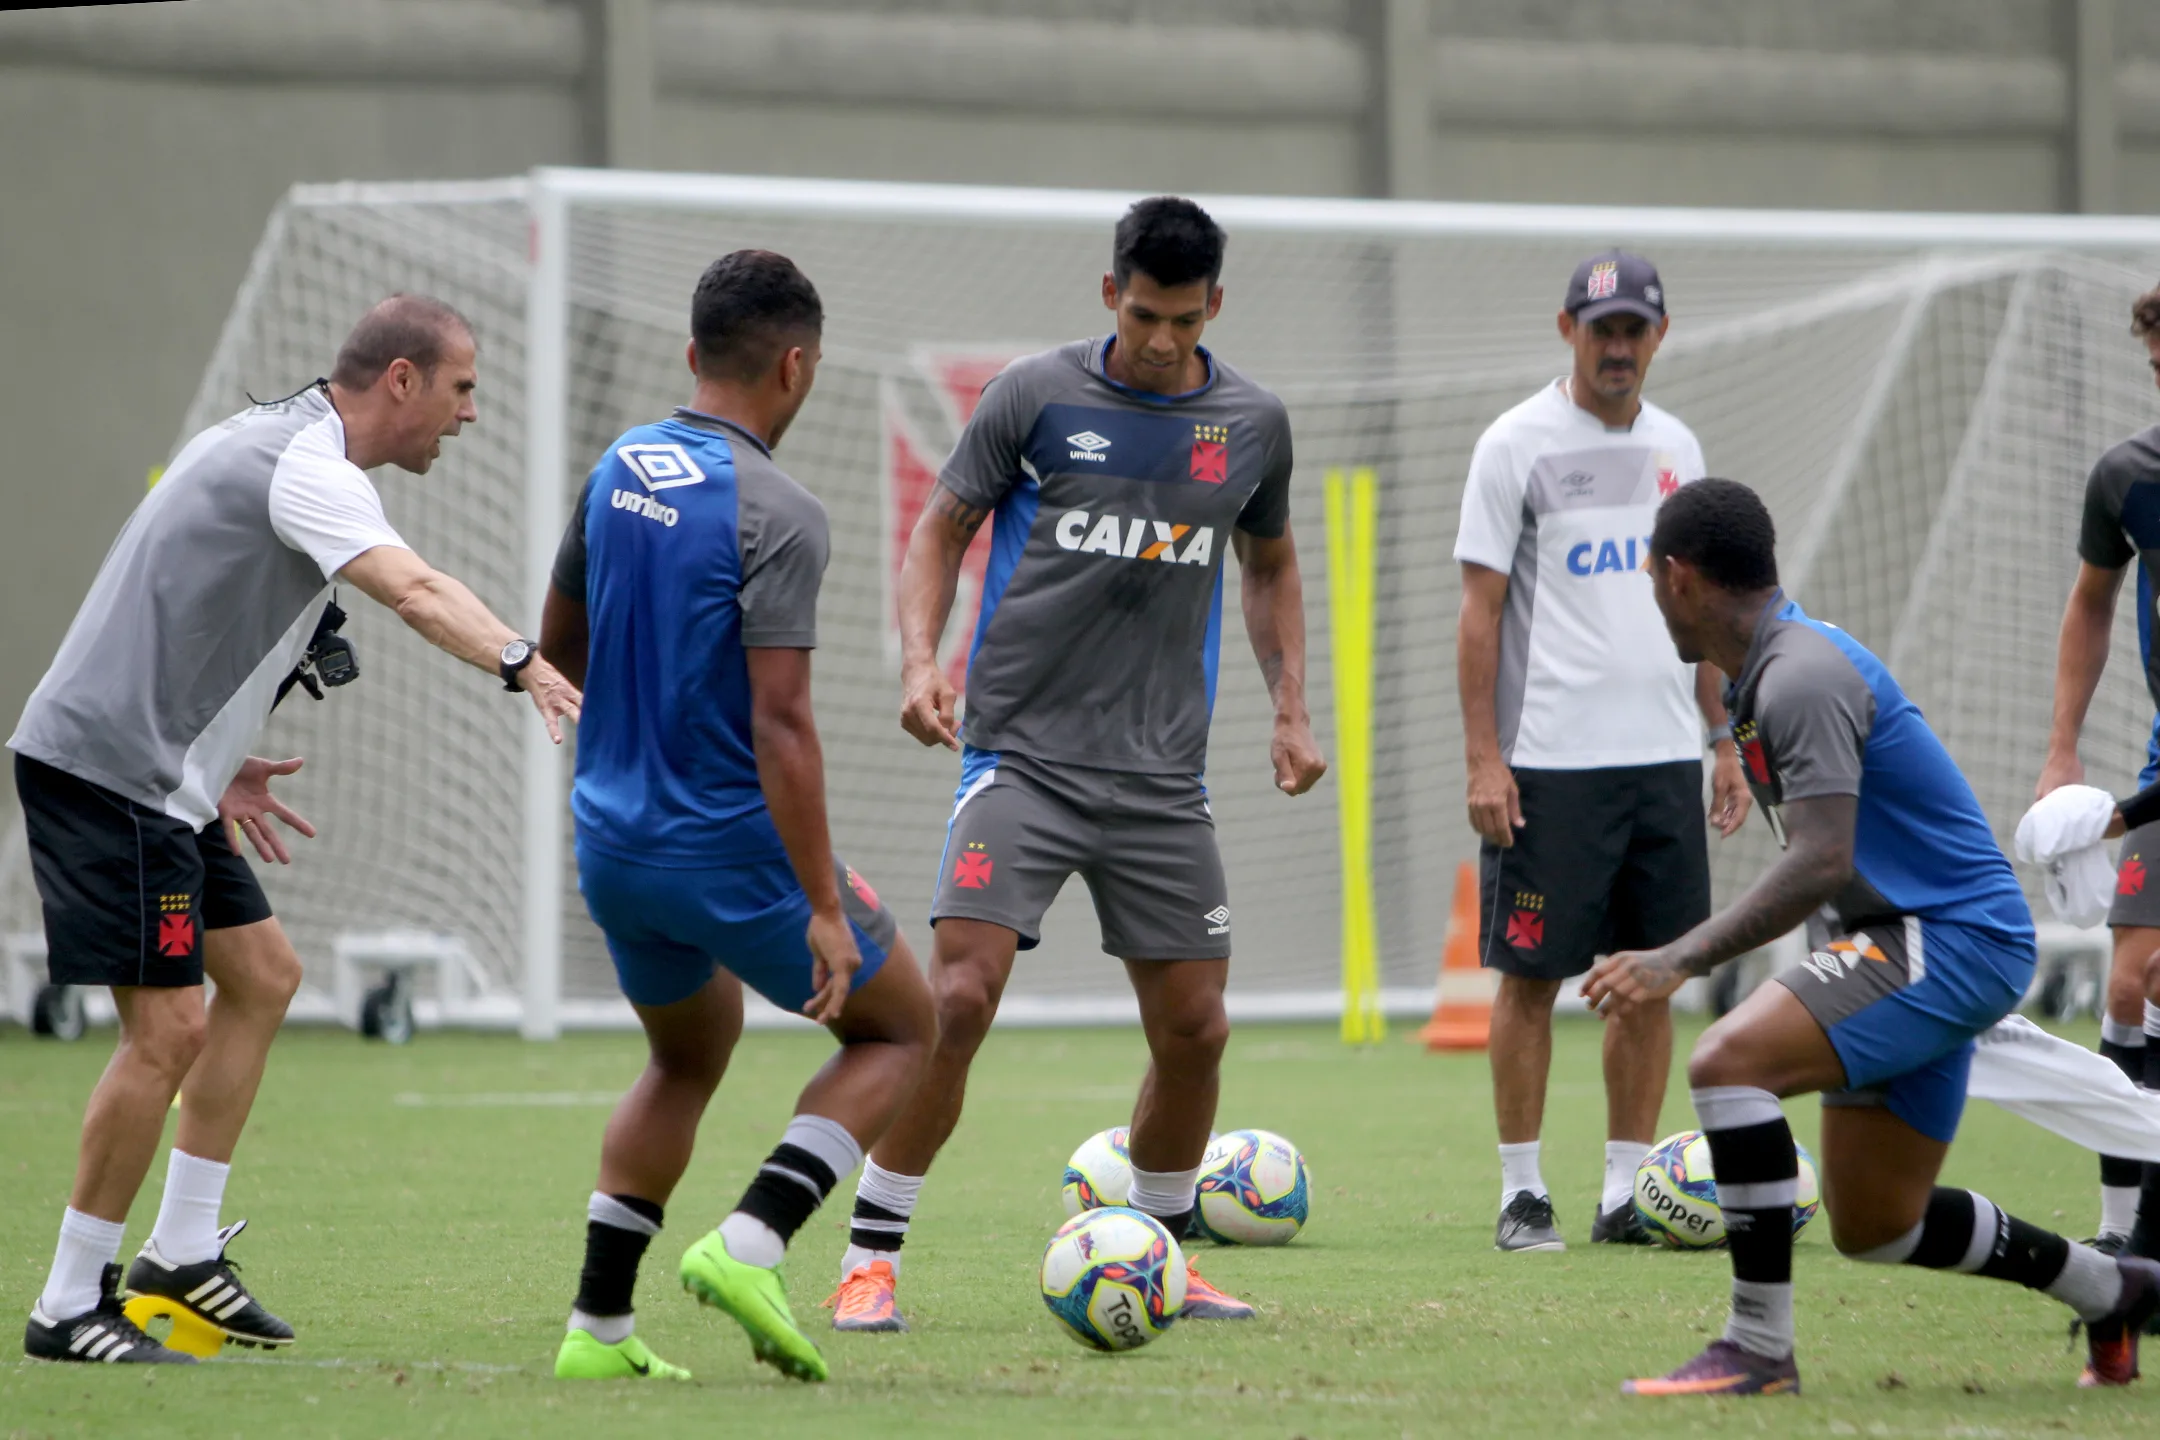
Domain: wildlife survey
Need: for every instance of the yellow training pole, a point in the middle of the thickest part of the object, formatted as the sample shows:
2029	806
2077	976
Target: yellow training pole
1352	517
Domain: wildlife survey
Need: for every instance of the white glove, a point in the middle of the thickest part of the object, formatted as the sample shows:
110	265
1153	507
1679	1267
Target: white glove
2066	832
2070	817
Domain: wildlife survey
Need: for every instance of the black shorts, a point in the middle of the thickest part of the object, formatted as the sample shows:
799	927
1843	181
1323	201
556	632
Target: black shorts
1614	859
127	891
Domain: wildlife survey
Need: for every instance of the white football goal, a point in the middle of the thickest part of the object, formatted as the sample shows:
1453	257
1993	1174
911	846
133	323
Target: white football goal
1919	398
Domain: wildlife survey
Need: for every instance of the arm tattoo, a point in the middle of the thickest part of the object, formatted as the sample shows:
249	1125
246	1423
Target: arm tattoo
1271	670
965	518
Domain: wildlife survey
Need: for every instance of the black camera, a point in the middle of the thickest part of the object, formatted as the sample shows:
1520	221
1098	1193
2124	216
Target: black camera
330	656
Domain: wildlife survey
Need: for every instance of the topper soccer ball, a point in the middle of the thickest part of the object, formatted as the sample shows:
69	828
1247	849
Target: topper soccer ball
1114	1278
1254	1189
1099	1173
1676	1193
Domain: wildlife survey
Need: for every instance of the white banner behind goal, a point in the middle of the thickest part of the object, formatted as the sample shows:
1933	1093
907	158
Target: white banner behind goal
1918	398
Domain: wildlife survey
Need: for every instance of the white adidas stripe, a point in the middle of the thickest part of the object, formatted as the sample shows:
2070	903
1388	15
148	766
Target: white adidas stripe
239	1301
203	1289
83	1338
110	1342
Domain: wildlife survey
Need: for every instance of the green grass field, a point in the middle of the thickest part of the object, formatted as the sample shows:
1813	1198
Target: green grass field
417	1214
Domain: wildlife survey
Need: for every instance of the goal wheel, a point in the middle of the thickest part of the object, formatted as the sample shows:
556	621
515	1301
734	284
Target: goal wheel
386	1012
57	1012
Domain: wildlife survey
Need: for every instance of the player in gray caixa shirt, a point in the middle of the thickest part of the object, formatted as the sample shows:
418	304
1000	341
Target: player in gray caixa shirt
1120	470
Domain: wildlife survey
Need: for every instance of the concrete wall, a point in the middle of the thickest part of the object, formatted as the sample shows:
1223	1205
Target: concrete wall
144	145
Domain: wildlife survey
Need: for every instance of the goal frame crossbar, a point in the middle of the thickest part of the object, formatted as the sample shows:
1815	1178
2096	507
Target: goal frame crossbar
552	195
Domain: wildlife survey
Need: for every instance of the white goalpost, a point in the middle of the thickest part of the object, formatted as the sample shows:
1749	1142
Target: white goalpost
1918	397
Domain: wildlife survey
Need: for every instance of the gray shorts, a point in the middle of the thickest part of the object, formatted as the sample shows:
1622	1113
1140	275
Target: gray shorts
2137	889
1145	844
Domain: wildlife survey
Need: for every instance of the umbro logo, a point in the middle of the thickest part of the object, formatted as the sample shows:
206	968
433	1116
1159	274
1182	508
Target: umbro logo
661	467
1218	920
1087	445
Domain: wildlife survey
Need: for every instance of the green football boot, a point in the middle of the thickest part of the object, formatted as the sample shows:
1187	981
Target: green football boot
584	1358
757	1298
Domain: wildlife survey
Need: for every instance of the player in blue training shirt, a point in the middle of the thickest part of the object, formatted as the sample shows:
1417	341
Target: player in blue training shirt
685	602
1936	945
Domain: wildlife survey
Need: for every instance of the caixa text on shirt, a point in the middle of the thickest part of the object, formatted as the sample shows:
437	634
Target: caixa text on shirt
645	505
1618	555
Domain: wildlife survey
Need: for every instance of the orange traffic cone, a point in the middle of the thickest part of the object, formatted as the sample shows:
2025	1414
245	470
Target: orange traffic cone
1462	1018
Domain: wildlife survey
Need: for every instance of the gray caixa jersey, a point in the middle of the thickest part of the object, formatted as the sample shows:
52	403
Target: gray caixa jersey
1102	602
205	602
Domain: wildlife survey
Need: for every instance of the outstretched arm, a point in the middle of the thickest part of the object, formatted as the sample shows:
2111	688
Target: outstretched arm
452	619
1817	861
1273	595
791	772
929	576
2081	653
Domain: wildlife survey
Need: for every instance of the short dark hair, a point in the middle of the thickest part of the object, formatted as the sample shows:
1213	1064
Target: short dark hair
2145	313
418	328
1723	529
1170	240
747	308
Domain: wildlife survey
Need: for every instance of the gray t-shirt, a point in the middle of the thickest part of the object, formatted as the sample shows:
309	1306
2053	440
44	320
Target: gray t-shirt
2121	523
1101	618
207	599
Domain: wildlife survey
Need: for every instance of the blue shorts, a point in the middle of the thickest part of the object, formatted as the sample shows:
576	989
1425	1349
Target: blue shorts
1901	1003
668	931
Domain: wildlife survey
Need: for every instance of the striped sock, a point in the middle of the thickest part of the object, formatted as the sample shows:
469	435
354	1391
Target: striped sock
794	1180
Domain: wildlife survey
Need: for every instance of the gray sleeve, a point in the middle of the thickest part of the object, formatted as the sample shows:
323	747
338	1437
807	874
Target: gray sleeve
1815	711
569	572
2101	541
1267	510
986	462
785	543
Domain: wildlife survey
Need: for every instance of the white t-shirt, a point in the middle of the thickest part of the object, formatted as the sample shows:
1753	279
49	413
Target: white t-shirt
322	504
1563	507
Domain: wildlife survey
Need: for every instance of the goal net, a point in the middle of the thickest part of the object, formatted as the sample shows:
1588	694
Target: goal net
1918	398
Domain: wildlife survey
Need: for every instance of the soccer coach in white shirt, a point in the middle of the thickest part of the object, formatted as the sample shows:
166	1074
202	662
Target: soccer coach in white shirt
132	765
1584	743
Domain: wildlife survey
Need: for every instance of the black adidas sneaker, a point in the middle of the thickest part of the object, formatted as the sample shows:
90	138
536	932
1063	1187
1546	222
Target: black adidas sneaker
101	1335
211	1291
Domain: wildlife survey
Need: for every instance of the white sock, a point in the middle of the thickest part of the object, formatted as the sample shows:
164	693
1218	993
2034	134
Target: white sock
87	1246
860	1255
186	1232
2118	1209
1164	1194
2152	1022
607	1329
1519	1171
752	1241
2090	1284
1622	1159
1761	1318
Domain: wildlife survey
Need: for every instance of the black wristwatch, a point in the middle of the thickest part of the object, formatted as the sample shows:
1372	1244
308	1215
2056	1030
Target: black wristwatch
515	657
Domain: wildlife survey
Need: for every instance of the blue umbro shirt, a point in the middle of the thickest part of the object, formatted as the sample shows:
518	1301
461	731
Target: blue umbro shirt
688	545
1815	713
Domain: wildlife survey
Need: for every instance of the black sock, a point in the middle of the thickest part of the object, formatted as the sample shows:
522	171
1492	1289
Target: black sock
611	1259
876	1228
1964	1231
2116	1170
1758	1175
1182	1226
789	1187
2148	1226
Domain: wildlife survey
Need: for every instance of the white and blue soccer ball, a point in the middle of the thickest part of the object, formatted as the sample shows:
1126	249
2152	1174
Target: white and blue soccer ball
1099	1173
1114	1278
1676	1193
1254	1189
